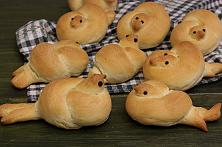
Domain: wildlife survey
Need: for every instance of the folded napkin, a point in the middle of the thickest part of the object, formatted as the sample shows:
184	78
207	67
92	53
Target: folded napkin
35	32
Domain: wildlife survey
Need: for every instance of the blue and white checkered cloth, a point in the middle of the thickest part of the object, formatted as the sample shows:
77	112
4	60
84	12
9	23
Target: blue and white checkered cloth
35	32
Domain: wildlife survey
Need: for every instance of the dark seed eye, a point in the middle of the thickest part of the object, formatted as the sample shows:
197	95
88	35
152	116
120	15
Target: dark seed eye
165	54
204	30
77	42
127	35
100	83
80	21
166	62
135	39
142	21
145	92
72	18
137	18
194	32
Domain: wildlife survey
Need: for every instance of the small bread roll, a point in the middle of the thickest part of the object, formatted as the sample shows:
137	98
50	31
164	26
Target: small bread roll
85	25
152	103
119	62
201	27
180	68
107	5
49	62
150	21
68	103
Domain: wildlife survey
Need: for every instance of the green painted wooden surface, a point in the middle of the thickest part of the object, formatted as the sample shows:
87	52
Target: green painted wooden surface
119	130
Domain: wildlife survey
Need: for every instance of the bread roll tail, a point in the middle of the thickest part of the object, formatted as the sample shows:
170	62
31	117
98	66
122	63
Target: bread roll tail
24	76
214	113
198	115
11	113
193	118
211	69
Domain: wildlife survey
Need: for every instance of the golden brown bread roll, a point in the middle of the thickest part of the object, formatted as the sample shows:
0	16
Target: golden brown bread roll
201	27
107	5
85	25
49	62
68	103
180	68
152	103
150	21
119	62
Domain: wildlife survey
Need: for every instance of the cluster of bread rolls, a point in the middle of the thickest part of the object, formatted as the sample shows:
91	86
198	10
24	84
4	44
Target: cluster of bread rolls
75	102
68	103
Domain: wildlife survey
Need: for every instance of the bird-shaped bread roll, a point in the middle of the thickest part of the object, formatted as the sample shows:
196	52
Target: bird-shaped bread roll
152	103
180	68
85	25
107	5
150	21
49	62
119	62
201	27
68	103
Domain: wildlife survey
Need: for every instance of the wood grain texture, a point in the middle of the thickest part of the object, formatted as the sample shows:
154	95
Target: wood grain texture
119	130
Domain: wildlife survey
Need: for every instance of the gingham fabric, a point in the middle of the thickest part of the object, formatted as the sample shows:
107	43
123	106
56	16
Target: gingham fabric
35	32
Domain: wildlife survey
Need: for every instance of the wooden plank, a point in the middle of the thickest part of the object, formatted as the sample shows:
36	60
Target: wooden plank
119	130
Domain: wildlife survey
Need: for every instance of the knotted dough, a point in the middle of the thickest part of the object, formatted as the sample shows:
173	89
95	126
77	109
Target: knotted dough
152	103
150	21
201	27
68	103
49	62
180	68
119	62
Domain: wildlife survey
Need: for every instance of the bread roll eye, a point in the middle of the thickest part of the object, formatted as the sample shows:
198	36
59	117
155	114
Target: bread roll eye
167	62
135	40
145	92
100	83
